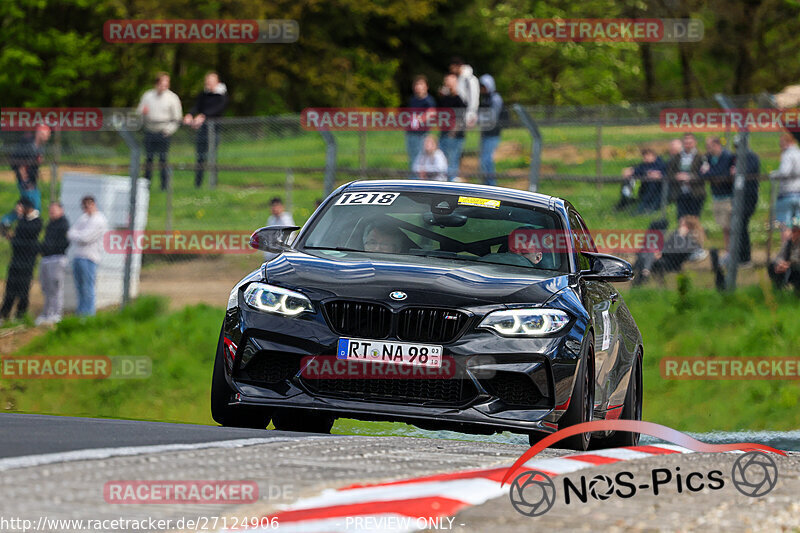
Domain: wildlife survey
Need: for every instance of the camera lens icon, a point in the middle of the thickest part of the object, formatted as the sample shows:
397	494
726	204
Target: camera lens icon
754	474
532	493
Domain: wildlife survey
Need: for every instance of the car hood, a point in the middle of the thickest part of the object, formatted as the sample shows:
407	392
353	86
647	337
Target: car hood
425	280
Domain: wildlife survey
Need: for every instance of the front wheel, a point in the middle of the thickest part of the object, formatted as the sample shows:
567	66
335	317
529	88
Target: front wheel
221	392
631	410
581	405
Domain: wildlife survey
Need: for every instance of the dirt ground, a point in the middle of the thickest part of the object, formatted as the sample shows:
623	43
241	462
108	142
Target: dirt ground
207	280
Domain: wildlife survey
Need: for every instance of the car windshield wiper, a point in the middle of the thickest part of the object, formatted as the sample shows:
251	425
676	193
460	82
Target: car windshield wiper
334	248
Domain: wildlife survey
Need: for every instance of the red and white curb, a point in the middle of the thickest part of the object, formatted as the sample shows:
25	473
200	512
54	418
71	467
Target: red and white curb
428	502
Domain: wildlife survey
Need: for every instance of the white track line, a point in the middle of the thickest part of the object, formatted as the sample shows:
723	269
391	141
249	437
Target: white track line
27	461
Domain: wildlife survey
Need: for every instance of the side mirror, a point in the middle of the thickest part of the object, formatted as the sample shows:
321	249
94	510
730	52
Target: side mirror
272	238
604	267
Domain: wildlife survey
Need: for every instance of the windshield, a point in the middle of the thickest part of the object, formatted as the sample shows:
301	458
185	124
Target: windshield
445	226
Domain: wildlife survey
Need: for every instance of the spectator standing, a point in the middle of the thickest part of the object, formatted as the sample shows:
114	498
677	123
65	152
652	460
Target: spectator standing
468	89
416	134
490	138
451	140
53	265
787	205
689	190
716	170
25	161
752	169
162	111
431	164
675	147
651	172
86	235
279	216
786	267
24	248
210	104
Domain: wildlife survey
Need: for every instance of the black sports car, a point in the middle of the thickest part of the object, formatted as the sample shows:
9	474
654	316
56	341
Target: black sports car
443	305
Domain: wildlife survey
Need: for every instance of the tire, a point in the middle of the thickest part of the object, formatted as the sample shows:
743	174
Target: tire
631	410
303	420
581	405
227	415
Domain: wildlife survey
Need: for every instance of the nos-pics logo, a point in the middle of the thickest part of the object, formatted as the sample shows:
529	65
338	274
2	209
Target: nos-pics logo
533	493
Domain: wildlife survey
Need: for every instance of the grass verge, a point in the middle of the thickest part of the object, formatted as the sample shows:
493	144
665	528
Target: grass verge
751	322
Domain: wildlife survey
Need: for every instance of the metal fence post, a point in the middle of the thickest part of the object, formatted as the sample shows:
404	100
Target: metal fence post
134	170
54	166
330	161
773	197
598	163
536	147
737	220
168	223
289	189
212	154
362	153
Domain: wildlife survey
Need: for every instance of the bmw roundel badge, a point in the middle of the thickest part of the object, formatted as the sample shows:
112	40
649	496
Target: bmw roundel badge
398	295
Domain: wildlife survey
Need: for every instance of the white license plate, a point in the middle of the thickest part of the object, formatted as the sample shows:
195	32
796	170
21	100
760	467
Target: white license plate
398	353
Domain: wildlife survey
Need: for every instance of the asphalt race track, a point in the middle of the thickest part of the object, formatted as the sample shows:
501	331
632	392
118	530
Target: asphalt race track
56	468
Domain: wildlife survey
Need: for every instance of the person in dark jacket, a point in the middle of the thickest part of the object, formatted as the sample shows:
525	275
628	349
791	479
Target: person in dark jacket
451	141
716	170
25	160
688	190
491	103
786	267
53	265
24	249
210	104
415	135
651	171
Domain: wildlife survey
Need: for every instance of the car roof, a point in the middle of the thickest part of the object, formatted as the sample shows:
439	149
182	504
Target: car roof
471	189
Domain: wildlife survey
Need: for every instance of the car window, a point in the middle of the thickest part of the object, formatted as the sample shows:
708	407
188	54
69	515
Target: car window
581	238
441	226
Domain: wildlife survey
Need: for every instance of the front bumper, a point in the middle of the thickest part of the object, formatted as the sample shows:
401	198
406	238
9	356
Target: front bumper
499	383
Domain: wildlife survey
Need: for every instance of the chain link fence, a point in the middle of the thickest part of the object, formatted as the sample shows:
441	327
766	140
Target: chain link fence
222	178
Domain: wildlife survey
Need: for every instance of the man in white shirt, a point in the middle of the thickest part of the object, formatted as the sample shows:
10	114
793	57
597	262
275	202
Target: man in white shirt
279	216
86	236
468	89
788	174
162	112
431	163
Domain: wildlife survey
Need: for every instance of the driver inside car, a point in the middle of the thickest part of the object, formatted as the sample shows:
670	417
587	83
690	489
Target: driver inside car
383	238
533	246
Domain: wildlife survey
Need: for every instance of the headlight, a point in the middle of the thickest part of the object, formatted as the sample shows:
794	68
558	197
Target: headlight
276	300
525	322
